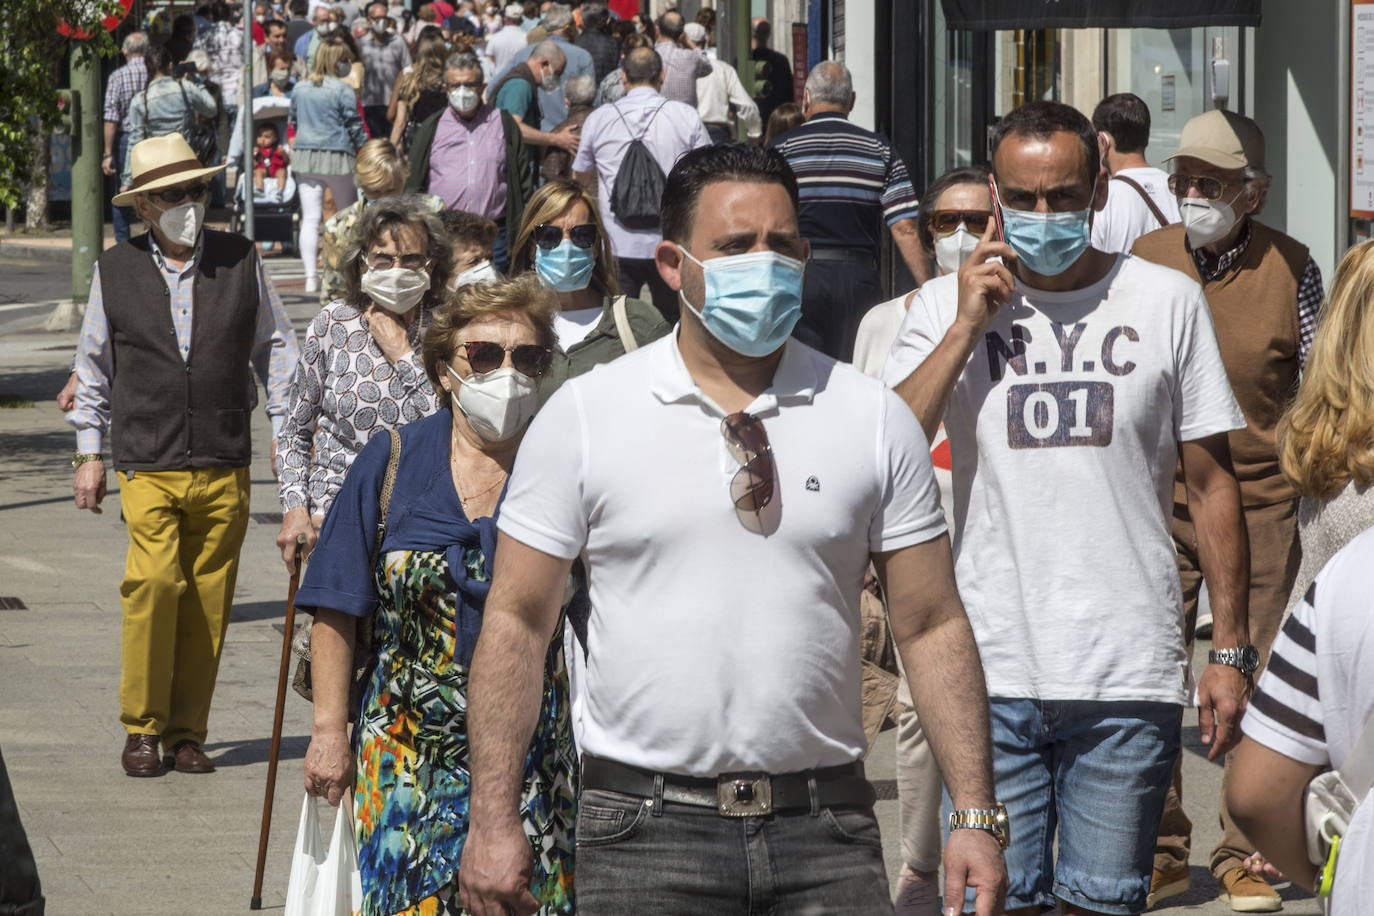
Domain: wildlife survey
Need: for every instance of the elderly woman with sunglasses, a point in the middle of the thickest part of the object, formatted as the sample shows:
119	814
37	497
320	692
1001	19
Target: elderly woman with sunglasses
360	372
422	591
562	239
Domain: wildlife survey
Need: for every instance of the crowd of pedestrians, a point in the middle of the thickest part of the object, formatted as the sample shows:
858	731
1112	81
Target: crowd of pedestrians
610	619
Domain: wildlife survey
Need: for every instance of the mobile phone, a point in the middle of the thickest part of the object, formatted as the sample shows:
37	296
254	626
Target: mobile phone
996	208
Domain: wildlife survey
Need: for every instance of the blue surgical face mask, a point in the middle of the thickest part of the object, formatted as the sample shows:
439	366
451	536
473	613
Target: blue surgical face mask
753	301
1049	243
567	268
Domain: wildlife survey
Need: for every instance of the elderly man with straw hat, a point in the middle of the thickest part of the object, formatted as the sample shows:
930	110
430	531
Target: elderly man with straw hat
165	366
1264	291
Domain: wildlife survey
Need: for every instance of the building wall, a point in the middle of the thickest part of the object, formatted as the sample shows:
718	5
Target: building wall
1300	95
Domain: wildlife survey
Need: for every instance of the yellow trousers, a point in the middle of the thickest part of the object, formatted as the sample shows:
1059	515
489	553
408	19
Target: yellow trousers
185	531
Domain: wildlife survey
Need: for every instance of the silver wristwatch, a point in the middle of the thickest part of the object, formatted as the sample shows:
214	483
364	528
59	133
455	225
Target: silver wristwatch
1244	659
992	820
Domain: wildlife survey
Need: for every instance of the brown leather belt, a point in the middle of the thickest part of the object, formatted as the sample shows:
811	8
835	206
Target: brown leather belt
737	794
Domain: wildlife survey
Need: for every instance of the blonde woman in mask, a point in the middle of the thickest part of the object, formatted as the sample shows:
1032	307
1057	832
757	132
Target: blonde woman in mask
360	372
954	212
422	591
329	132
953	216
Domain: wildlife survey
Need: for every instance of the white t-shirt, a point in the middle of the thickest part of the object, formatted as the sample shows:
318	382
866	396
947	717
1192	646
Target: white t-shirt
1064	431
877	330
712	648
573	325
1315	696
1127	217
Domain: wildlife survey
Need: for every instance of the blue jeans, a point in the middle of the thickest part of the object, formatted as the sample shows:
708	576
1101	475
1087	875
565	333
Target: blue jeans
634	858
1097	772
121	218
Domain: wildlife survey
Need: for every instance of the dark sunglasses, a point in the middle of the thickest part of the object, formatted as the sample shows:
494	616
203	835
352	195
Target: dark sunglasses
752	486
946	221
528	359
550	237
382	261
1210	188
177	195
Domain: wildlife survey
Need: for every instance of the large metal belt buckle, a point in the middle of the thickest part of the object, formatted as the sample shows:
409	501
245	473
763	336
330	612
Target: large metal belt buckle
744	794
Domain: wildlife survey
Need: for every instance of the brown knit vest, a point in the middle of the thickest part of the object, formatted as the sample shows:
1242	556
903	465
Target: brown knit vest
1254	308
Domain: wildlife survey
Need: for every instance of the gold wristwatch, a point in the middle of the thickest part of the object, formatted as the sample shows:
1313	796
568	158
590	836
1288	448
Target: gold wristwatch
993	820
80	458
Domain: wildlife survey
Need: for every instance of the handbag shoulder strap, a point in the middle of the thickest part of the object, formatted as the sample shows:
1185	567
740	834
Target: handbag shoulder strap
1358	770
393	460
622	325
1145	196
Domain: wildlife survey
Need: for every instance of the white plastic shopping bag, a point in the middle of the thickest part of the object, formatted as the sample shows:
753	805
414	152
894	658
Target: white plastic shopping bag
324	878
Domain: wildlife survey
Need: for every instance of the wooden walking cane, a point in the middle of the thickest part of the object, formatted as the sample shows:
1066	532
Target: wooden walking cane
272	754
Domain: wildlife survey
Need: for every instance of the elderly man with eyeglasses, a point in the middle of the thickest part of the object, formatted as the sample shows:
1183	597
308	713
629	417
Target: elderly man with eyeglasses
1265	293
165	367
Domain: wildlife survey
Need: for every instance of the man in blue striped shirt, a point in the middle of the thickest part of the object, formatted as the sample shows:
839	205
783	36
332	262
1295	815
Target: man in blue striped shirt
852	182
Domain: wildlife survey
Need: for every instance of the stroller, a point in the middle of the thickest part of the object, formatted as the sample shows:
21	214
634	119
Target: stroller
276	216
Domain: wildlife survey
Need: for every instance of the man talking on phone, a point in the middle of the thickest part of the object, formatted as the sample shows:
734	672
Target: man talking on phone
1070	381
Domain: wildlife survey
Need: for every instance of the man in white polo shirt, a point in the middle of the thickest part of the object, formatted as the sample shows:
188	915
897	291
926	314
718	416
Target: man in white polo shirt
726	489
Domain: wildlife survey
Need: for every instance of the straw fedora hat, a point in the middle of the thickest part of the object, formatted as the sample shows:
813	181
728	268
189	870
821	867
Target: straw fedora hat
161	162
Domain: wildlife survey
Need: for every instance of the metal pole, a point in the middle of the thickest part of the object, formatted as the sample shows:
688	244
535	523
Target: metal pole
246	108
88	207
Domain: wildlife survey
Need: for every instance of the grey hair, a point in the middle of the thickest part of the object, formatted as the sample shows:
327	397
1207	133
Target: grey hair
1258	177
831	83
200	59
558	18
135	43
548	50
463	60
385	216
360	23
580	89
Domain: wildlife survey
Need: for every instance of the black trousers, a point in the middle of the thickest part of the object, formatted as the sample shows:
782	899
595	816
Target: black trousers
20	892
835	296
633	273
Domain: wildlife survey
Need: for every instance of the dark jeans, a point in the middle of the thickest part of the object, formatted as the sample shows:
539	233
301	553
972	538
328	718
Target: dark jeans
633	273
378	127
121	218
634	857
835	296
718	133
20	891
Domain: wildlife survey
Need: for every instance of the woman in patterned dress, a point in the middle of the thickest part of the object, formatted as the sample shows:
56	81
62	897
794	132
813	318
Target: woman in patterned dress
359	371
422	590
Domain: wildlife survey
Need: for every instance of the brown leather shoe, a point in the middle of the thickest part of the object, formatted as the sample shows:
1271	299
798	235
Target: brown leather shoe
140	756
187	757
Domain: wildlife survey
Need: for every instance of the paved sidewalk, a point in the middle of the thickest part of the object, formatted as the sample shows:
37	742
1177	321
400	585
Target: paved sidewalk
108	844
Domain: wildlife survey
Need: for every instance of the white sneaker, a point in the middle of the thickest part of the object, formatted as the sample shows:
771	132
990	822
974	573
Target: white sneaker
1204	625
312	285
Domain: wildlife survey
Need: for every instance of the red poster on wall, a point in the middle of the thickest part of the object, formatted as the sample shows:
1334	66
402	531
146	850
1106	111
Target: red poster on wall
624	8
799	63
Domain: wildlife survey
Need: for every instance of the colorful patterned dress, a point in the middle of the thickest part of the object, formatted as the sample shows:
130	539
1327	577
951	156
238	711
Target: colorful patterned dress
412	787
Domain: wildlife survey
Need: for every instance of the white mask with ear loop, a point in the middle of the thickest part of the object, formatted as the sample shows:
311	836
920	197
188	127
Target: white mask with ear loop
951	251
497	404
1206	221
181	224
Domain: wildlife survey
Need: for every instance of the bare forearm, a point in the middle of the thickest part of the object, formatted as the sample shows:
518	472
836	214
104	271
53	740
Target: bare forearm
110	129
1265	796
1224	555
331	667
950	696
908	242
927	389
504	692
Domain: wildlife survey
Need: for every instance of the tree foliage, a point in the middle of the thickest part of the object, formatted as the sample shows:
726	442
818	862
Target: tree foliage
31	54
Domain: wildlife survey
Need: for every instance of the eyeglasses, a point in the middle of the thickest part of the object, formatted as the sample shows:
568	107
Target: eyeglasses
550	237
380	261
946	221
1210	188
528	359
177	195
752	486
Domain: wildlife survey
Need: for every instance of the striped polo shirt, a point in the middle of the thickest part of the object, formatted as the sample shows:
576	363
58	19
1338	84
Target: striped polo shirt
852	182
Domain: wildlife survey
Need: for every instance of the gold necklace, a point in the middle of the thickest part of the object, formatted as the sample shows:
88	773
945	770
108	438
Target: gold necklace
464	500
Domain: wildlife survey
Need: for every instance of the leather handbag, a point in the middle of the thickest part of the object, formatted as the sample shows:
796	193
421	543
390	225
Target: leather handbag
363	657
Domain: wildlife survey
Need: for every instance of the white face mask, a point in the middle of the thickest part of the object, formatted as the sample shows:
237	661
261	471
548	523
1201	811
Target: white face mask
549	83
464	99
378	26
1206	221
182	223
497	404
482	272
951	251
324	28
397	290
